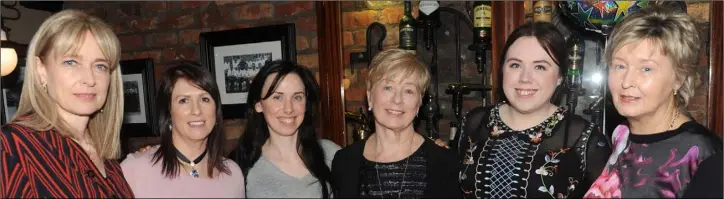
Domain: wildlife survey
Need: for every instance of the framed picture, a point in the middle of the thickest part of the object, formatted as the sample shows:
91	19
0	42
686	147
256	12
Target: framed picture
138	104
12	86
235	56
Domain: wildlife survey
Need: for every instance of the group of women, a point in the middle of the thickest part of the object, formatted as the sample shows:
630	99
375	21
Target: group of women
64	140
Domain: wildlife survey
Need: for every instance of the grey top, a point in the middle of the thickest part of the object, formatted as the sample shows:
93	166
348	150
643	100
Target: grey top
266	180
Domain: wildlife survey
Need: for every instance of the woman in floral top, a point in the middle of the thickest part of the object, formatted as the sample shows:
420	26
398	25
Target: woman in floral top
522	147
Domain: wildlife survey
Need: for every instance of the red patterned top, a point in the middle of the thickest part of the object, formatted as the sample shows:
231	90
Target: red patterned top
42	164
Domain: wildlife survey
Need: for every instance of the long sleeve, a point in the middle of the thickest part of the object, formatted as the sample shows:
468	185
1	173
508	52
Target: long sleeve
598	151
707	182
14	177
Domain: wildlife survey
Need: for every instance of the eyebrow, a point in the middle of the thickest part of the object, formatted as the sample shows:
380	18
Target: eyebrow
512	59
186	95
81	57
542	61
298	92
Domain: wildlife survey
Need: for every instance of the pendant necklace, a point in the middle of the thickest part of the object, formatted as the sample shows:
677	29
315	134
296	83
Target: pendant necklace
184	159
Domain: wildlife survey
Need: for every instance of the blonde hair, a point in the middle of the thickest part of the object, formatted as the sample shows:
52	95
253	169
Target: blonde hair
62	34
391	63
675	33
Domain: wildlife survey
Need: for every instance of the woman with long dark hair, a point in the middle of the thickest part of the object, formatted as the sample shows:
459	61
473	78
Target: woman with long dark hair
279	151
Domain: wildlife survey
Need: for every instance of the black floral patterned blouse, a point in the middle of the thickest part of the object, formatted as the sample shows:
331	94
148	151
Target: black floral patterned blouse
542	161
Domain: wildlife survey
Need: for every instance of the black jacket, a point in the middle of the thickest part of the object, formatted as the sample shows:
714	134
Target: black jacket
443	166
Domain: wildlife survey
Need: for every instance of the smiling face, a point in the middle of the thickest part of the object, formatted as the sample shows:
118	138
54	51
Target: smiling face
530	76
395	101
642	80
193	111
284	109
77	83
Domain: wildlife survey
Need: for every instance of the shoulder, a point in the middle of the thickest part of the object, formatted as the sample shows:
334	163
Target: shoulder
139	159
16	138
438	153
234	168
478	113
329	147
698	135
348	153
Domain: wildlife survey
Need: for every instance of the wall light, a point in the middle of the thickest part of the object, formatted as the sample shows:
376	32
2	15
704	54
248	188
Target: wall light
9	57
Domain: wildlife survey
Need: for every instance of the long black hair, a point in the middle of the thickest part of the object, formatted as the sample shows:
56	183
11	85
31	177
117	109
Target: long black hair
552	42
257	132
192	72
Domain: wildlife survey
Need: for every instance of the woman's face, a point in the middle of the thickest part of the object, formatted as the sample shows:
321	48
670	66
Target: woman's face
530	76
193	111
284	109
77	83
642	80
395	101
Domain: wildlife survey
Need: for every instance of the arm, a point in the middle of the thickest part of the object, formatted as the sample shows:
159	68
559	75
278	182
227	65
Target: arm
15	181
598	151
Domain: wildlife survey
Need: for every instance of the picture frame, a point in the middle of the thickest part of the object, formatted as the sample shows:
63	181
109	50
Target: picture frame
139	104
12	86
235	56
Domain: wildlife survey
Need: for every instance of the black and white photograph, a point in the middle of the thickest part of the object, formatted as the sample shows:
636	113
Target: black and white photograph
134	108
239	64
12	86
241	69
10	103
234	60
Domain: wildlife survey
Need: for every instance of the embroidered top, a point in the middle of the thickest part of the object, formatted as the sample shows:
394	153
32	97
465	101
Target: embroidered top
44	164
654	166
386	180
538	162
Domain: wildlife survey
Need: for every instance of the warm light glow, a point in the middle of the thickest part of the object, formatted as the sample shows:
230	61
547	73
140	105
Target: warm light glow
9	58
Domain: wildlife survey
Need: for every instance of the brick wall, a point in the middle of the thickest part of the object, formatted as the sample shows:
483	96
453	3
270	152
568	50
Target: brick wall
169	30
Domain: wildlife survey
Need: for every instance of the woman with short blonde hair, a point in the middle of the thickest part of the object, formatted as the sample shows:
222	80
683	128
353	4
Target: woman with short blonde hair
396	161
651	55
64	138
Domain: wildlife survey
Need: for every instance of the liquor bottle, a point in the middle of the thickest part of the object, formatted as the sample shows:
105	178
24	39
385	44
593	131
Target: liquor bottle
482	21
430	19
408	29
454	136
543	11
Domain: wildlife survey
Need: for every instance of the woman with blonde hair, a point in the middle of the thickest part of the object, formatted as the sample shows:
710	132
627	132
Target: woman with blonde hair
651	56
396	161
64	138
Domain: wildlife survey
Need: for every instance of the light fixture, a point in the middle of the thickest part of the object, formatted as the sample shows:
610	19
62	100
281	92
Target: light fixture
9	57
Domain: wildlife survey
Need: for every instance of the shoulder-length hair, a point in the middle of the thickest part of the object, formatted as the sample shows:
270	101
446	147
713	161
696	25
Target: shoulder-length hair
552	42
192	72
257	131
62	34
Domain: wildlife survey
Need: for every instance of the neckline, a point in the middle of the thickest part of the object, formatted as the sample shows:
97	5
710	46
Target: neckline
658	137
545	128
263	157
96	171
364	143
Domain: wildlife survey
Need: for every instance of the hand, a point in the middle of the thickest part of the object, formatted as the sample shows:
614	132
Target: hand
441	143
142	149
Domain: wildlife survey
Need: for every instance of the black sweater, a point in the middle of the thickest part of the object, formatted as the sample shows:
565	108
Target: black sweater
443	166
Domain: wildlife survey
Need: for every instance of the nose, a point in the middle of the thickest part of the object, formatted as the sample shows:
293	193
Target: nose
288	107
524	76
397	97
629	80
196	108
88	77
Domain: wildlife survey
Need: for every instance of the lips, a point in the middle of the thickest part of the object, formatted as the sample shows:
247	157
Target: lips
286	120
85	96
526	92
628	98
394	112
198	123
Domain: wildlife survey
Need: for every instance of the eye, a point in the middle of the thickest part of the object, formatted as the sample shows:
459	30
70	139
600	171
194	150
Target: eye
299	97
619	67
206	99
409	91
646	69
277	97
183	101
514	65
102	67
540	67
69	62
387	88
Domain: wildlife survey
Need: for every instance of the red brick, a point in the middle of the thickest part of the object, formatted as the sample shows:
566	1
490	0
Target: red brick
162	40
293	8
212	16
131	42
231	27
98	12
348	4
153	54
228	2
315	43
391	15
126	56
154	7
302	43
306	24
309	60
253	11
183	52
180	20
358	20
141	25
393	37
189	36
193	4
348	38
360	37
355	93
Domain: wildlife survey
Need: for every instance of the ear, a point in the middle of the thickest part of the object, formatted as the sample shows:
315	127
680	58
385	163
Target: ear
369	99
560	80
41	70
258	107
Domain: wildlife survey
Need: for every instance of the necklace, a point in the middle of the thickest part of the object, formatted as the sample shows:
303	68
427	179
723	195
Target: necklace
184	159
404	174
676	116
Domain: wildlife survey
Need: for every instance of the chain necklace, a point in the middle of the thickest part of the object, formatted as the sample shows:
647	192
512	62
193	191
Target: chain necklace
676	116
404	174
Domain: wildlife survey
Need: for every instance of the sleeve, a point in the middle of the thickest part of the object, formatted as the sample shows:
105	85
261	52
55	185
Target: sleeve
337	175
14	180
597	153
451	179
127	166
707	181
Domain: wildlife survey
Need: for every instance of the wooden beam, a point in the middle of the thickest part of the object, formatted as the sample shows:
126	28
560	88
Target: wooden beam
507	15
331	70
716	80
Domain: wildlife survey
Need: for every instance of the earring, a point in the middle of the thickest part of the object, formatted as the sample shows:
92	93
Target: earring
369	108
170	128
45	87
101	110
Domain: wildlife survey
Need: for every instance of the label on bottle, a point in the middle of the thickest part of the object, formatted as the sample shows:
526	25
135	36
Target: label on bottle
408	37
453	131
428	7
543	11
483	17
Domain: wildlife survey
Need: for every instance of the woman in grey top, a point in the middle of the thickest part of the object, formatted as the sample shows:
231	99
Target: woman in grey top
279	152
